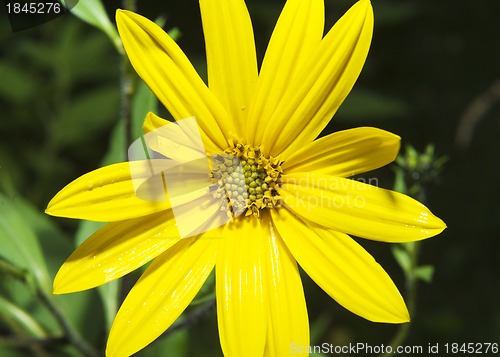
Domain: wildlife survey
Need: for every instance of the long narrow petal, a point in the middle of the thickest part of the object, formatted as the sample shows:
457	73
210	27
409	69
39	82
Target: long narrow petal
115	250
314	94
288	324
162	293
180	141
167	71
231	57
106	195
356	208
343	269
297	34
241	309
201	215
346	153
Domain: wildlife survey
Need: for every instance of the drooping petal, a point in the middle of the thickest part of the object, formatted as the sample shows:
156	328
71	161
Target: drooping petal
167	71
346	153
297	34
342	268
106	195
115	250
316	92
180	141
356	208
288	324
153	122
162	293
231	57
239	273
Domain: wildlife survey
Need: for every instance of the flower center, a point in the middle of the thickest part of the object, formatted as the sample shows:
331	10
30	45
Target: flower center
246	179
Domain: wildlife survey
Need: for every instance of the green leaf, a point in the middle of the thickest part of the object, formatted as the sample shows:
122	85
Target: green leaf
143	102
20	243
399	181
117	146
16	84
19	319
175	344
174	33
108	293
87	115
425	273
319	327
403	258
94	13
9	351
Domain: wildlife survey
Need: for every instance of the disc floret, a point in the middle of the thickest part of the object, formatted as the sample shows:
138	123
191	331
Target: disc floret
247	179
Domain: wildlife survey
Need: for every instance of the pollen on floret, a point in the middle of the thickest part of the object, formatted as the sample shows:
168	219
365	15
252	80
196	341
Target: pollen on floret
246	179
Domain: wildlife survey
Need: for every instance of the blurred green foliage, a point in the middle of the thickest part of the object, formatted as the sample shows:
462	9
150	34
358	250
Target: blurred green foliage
60	118
59	95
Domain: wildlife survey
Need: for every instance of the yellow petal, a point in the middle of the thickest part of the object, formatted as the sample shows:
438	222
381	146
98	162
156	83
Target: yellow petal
356	208
115	250
288	324
241	310
316	92
162	293
343	269
346	153
153	122
297	34
167	71
106	195
201	215
180	141
231	57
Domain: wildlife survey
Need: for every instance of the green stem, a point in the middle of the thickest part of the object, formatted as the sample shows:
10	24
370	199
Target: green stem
15	272
411	299
126	92
127	85
71	335
29	341
127	89
413	249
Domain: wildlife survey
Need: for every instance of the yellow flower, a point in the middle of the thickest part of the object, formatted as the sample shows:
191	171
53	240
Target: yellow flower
298	205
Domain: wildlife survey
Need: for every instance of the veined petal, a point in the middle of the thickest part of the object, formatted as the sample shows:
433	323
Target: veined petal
167	71
314	94
241	309
342	268
357	208
297	34
179	141
106	195
346	153
231	57
162	293
115	250
201	215
153	122
288	324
